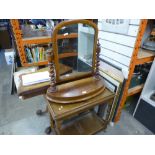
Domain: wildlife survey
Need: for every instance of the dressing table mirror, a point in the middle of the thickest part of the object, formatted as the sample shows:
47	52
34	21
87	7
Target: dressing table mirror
81	53
73	96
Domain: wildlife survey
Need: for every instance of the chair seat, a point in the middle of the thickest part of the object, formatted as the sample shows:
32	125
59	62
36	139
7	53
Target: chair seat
77	91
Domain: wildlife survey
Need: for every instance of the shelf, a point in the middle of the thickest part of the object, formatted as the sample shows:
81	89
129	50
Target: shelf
135	90
36	63
61	56
87	124
46	39
67	54
145	56
28	32
41	40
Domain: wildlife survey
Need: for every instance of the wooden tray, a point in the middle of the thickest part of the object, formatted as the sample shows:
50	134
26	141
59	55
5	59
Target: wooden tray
76	91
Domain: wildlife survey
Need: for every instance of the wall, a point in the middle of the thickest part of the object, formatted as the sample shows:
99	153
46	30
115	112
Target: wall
116	48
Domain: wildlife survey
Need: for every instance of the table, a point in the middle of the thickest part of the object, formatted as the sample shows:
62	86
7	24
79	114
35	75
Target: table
81	117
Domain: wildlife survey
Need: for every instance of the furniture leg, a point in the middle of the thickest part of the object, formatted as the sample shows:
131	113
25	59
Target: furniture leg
51	122
41	112
48	130
58	124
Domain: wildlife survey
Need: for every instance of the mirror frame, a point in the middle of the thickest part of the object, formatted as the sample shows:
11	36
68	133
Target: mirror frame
56	55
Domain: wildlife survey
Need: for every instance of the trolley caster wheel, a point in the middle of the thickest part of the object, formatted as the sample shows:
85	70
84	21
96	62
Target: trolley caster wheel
48	130
39	112
104	130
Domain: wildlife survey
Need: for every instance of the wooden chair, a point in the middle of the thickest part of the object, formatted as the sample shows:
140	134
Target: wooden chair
76	94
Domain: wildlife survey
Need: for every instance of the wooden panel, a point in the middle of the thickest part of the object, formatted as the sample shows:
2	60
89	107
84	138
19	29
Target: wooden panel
119	65
68	54
135	90
70	109
40	63
118	38
74	92
145	56
88	124
39	40
61	56
42	40
145	53
135	21
124	50
115	56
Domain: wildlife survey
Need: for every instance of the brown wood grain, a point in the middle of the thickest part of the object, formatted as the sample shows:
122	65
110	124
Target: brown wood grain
76	91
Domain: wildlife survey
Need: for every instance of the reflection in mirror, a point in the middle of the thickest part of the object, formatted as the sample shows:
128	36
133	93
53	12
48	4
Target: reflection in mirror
76	53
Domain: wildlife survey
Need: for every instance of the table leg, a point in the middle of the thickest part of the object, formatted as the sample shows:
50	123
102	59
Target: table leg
51	122
58	124
106	109
48	130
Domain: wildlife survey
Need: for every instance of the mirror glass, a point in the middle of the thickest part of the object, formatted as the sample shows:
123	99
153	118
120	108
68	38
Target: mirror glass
75	50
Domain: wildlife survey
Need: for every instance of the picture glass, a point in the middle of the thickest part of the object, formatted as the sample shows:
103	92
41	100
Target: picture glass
75	52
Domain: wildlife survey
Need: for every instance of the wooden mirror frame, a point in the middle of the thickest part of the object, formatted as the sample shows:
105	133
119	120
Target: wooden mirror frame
53	57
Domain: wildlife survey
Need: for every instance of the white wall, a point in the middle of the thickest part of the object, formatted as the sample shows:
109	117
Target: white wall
117	48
